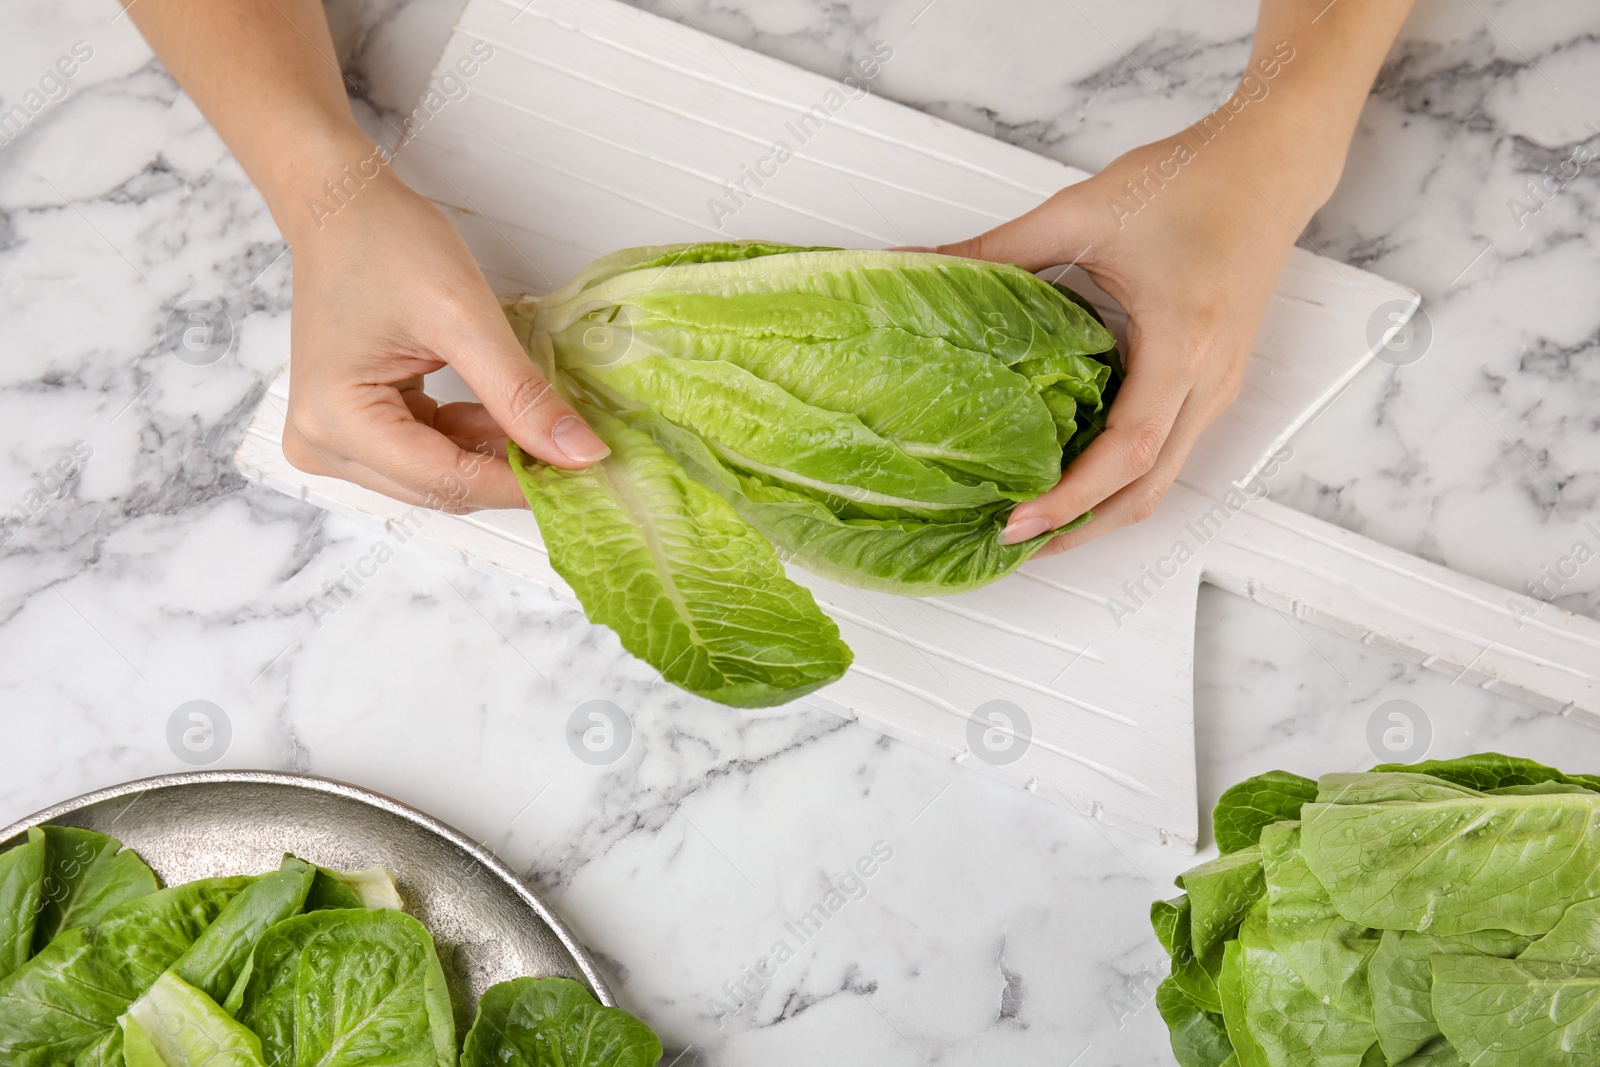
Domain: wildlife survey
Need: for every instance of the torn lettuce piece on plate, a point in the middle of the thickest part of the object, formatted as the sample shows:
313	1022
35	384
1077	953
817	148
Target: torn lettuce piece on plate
63	1005
326	985
86	875
21	892
371	888
300	967
874	416
554	1022
219	956
176	1025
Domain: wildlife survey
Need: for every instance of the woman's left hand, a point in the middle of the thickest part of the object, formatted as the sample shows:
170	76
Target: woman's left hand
1193	261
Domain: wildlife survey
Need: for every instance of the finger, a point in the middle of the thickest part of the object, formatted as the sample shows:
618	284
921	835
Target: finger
1136	431
402	458
1053	233
1139	499
523	404
422	406
470	426
1133	503
312	458
437	470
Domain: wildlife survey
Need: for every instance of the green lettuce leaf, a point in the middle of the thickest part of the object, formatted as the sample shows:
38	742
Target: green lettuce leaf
832	343
952	408
689	586
1242	811
651	257
1517	1013
1170	920
370	888
1328	952
1195	978
322	889
1538	789
554	1022
1199	1037
1457	865
992	308
1491	770
1437	1053
329	891
87	874
219	955
1230	986
875	416
1402	983
1221	893
912	557
1434	915
21	893
765	430
1064	413
1399	787
1287	1021
62	1006
345	988
1575	940
176	1025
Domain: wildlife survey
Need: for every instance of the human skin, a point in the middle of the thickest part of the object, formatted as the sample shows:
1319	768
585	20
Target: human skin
385	290
1194	259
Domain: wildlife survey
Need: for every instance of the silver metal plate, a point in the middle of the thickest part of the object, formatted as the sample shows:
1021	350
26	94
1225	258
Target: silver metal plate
487	924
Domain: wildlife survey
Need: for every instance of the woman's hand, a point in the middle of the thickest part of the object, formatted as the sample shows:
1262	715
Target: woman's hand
1193	261
385	291
1189	235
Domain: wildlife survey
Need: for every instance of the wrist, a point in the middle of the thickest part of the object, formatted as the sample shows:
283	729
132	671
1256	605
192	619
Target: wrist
321	176
1303	110
1288	138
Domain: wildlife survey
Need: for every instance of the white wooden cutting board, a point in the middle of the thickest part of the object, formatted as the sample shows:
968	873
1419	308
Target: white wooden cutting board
594	126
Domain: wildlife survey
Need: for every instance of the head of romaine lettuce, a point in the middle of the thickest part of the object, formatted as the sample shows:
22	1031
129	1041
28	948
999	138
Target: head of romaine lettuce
875	416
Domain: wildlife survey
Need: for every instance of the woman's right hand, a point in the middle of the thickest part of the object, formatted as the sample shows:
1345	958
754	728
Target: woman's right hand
386	291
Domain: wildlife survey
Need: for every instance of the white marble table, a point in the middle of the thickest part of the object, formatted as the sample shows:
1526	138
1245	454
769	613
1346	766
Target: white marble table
138	572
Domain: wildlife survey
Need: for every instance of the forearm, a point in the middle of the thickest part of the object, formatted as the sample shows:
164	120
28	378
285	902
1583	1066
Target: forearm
265	75
1311	68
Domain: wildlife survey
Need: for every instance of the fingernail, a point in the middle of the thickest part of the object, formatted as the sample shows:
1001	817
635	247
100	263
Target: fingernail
1019	530
580	443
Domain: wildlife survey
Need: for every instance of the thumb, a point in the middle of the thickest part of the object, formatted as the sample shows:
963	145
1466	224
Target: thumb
1047	236
523	403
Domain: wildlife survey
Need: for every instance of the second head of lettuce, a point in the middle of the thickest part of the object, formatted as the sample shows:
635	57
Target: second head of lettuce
872	417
